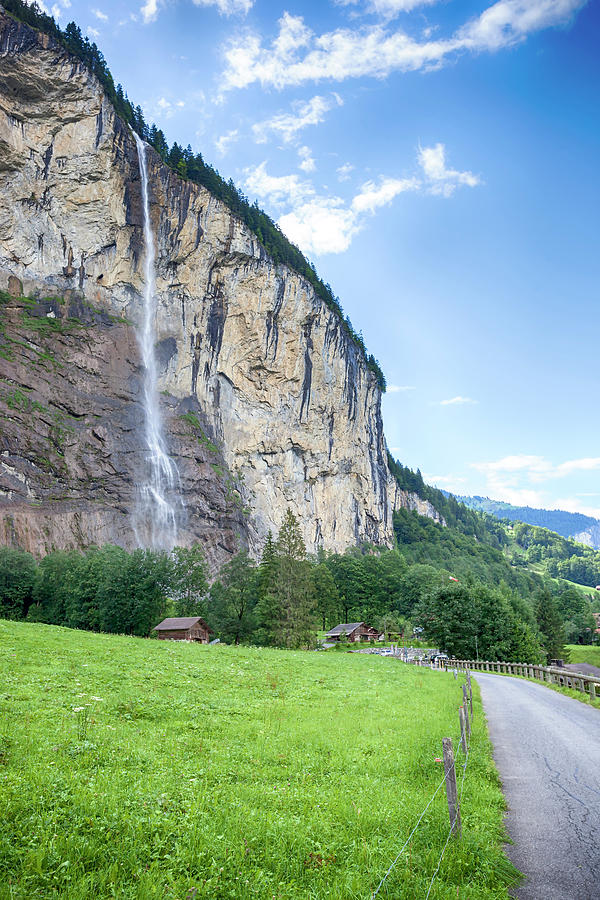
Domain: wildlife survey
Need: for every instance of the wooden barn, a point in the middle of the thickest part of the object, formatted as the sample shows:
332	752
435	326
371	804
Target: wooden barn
354	631
186	628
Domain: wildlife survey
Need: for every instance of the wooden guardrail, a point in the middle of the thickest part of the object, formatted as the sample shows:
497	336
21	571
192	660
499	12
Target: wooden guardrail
587	684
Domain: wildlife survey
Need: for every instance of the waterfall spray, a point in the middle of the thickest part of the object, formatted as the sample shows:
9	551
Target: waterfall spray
155	520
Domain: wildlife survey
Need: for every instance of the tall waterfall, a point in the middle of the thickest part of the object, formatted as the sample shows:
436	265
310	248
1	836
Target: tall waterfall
155	518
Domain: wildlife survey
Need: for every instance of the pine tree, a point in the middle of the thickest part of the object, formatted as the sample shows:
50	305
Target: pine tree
267	570
294	589
551	626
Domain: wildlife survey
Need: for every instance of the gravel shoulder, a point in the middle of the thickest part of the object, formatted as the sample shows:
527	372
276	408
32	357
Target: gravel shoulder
547	750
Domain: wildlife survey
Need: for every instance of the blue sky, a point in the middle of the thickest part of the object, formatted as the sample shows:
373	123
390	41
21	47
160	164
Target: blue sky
439	163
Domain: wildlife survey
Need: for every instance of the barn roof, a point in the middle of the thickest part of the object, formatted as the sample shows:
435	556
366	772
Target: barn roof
347	627
181	624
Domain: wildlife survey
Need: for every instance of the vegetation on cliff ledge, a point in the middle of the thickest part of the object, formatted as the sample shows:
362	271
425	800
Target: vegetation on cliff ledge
191	166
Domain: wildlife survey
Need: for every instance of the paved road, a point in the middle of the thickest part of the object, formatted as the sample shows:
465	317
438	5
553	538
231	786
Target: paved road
583	668
547	750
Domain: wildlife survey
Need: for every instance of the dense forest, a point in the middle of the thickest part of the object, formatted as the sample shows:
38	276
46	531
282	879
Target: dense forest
191	166
464	594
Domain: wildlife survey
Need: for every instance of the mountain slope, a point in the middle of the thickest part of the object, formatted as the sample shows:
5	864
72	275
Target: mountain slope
584	529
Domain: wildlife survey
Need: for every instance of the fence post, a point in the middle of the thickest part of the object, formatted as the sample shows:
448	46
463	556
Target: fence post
470	694
466	709
592	691
451	789
463	729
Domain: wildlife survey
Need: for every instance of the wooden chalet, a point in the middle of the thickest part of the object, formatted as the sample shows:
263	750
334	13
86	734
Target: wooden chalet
185	628
354	631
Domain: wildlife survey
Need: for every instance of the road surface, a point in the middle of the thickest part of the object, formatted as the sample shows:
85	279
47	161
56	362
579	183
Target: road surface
547	750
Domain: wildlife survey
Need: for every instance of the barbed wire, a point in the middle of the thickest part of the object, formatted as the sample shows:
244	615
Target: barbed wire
458	745
462	784
407	841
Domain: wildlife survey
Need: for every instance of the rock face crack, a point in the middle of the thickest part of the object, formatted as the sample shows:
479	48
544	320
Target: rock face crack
272	323
308	368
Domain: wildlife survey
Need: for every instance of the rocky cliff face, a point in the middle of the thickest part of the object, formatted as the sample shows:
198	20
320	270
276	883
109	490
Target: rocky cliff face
267	403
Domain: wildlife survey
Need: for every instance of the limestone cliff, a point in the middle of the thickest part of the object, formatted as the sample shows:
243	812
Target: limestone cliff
267	402
401	499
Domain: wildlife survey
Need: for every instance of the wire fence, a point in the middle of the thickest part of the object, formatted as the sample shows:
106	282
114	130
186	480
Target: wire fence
452	824
452	769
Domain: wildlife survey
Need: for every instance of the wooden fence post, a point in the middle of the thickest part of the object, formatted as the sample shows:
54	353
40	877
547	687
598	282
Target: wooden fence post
466	709
451	789
592	691
470	694
463	729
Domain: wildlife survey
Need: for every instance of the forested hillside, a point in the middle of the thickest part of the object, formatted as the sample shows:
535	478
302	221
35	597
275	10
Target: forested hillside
564	523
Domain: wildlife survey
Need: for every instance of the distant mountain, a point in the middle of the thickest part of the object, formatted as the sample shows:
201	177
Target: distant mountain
584	529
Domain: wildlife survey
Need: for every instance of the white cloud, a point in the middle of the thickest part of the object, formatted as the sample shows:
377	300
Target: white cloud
298	55
571	504
389	8
226	140
322	225
150	8
277	189
510	21
343	172
100	15
327	224
458	401
441	180
454	483
372	196
163	108
93	32
537	468
588	464
399	388
228	7
149	11
307	163
287	125
518	479
56	10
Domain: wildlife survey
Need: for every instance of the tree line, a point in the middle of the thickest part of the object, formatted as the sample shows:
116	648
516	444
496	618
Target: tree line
288	597
191	166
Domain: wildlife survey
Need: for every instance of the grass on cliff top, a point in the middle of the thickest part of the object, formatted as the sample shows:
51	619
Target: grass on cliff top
138	769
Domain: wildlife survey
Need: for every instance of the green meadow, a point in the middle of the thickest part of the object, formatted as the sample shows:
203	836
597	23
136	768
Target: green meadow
135	768
584	653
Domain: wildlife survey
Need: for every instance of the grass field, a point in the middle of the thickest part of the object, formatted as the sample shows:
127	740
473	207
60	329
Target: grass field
584	653
142	769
